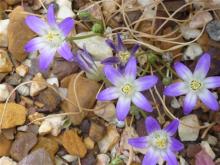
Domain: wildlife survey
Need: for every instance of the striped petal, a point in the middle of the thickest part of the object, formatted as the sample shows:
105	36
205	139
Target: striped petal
134	49
110	93
111	44
141	102
46	58
65	51
209	99
212	82
170	157
151	125
182	71
37	25
51	16
113	75
150	158
66	26
176	89
34	44
120	46
111	61
172	127
122	108
176	145
145	82
131	69
202	66
140	142
189	103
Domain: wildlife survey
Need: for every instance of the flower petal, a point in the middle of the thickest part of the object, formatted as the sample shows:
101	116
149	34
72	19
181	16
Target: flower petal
212	82
151	125
176	145
46	58
65	51
66	26
111	61
51	16
182	71
108	94
209	99
111	44
113	75
176	89
134	49
141	102
140	142
37	25
131	68
120	46
170	157
150	158
34	44
172	127
122	108
202	66
189	103
145	82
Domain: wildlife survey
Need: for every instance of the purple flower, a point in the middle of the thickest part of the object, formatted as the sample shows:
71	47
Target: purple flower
195	85
51	38
127	88
122	54
159	142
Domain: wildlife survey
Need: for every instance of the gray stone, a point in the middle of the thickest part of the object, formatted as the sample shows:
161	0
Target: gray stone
213	29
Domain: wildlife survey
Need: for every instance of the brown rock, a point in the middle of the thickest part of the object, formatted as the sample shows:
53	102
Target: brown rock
5	145
14	115
38	157
73	143
12	2
96	131
86	92
89	143
23	143
9	133
50	145
5	63
193	149
38	85
22	70
18	33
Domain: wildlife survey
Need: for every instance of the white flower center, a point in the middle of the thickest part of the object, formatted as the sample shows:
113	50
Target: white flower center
127	89
54	38
196	85
124	56
159	140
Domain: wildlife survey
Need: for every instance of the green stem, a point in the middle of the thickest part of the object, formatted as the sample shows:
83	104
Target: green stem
83	36
159	71
168	66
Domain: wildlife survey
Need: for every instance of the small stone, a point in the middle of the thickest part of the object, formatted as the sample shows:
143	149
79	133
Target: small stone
5	145
7	161
52	125
192	150
22	70
14	115
89	143
103	159
18	33
38	157
92	43
189	33
24	90
4	92
69	158
206	147
192	51
89	159
9	133
5	63
38	85
50	145
213	29
14	79
94	10
175	103
23	143
109	140
73	143
23	128
4	33
35	116
202	158
96	131
60	161
212	140
53	81
200	19
65	9
188	133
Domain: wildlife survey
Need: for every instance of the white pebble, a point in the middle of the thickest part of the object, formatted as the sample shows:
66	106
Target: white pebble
192	51
4	92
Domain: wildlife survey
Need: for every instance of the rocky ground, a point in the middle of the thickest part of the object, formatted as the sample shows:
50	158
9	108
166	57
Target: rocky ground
53	117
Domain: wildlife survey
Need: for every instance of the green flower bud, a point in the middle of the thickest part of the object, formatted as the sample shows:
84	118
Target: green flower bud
166	80
98	28
152	58
84	15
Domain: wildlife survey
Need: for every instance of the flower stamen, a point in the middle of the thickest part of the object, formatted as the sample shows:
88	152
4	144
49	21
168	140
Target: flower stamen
127	89
195	85
160	140
124	56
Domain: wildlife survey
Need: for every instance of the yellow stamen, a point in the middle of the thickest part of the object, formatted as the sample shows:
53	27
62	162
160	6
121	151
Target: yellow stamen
124	56
195	85
127	89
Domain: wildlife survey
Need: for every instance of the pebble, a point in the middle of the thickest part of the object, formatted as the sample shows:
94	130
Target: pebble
12	110
103	159
70	158
89	143
9	133
213	29
202	158
188	133
38	157
97	131
110	139
189	33
175	103
212	140
18	34
5	63
34	116
92	43
4	33
4	92
192	51
53	81
193	149
73	143
50	145
65	9
23	143
201	19
206	147
22	70
5	146
89	159
24	90
60	161
86	97
14	79
52	125
7	161
38	85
